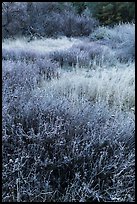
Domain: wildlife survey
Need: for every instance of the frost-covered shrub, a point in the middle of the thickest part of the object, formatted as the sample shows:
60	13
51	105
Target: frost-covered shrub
19	79
21	54
94	50
85	54
96	53
19	74
72	147
47	69
33	66
81	54
10	55
14	19
119	33
121	38
65	57
53	19
75	25
53	25
68	24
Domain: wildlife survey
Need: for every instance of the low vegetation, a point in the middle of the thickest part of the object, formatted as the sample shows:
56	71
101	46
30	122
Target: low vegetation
68	126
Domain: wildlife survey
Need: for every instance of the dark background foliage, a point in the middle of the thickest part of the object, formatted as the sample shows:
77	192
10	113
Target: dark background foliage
52	19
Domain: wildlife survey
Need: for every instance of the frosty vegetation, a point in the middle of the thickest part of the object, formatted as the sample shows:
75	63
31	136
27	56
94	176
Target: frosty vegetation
68	117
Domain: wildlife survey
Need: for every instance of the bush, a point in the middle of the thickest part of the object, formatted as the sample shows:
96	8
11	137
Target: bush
19	80
68	24
97	52
19	55
75	143
75	25
120	38
14	19
85	54
53	19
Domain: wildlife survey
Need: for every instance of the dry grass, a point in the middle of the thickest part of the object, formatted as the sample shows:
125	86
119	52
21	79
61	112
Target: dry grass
40	45
115	86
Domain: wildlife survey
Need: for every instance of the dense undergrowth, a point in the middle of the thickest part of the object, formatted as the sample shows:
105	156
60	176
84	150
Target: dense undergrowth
68	118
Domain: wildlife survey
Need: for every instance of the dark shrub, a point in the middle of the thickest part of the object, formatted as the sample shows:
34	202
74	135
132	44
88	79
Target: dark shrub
75	25
47	69
52	20
61	149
